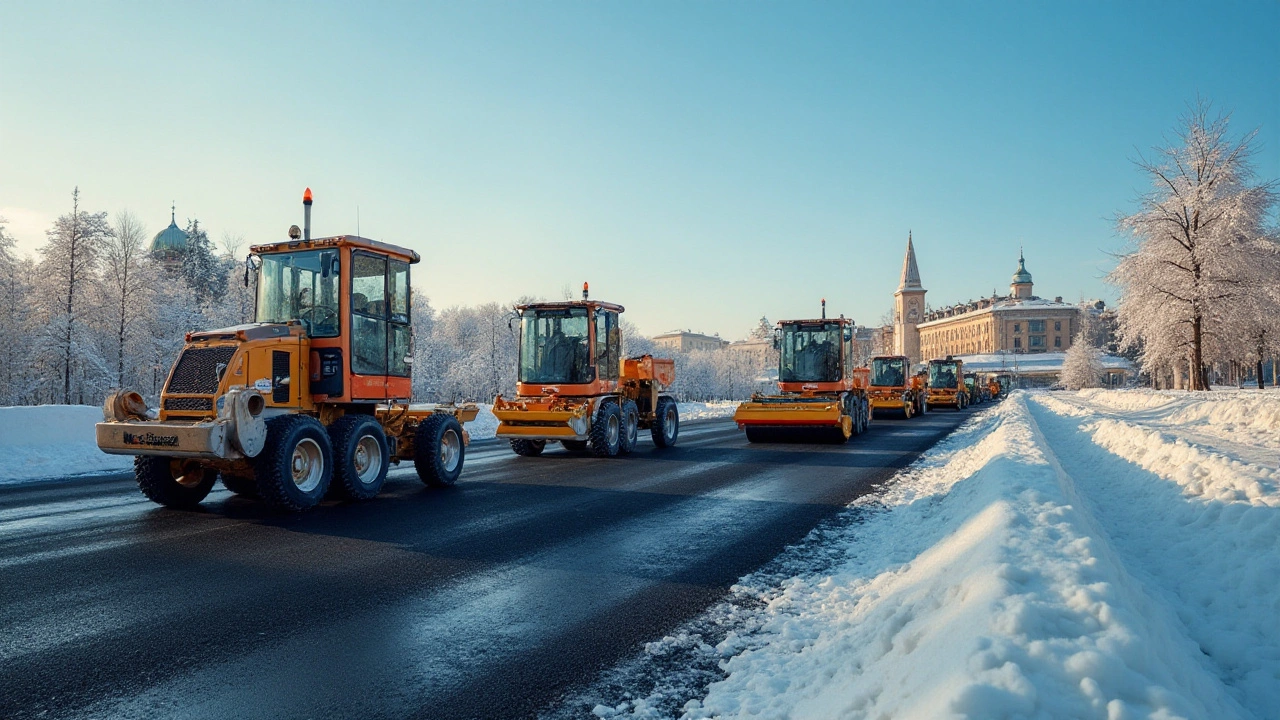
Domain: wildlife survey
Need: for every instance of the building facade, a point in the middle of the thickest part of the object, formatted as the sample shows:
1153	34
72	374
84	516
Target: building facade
1019	323
688	341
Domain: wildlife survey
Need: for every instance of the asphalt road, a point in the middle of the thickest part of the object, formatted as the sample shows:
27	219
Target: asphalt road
490	599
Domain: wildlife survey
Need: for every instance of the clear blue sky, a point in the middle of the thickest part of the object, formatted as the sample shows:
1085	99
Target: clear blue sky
703	163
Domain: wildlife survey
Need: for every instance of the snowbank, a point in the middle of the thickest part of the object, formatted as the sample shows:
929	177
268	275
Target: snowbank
707	410
1062	555
49	441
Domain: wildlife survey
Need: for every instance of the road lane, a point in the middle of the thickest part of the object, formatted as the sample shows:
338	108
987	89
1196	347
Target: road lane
489	599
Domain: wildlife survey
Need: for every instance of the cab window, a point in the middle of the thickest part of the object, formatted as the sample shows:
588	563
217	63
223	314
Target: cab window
381	337
608	340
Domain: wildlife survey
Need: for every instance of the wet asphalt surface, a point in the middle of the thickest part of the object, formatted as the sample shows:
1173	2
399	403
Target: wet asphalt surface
492	599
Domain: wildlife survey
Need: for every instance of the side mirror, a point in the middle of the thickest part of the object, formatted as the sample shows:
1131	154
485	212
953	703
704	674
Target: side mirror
777	338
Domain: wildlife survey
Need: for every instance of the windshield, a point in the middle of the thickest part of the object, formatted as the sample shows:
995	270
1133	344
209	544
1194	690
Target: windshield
942	375
888	372
553	346
300	286
810	353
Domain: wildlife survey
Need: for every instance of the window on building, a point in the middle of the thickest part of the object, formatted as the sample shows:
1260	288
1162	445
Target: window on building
1017	343
1057	341
1035	326
1017	327
1037	341
1057	325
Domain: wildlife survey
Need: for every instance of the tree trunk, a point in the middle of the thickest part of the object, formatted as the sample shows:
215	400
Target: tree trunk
1259	369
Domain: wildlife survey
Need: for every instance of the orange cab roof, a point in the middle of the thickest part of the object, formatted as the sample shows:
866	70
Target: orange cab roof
338	241
572	303
842	321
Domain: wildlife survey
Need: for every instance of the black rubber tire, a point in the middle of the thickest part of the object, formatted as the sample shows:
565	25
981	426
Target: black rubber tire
528	448
575	446
630	437
156	480
345	435
242	485
665	433
427	459
273	467
606	414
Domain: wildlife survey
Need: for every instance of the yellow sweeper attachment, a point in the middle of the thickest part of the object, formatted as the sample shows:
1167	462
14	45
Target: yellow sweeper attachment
822	396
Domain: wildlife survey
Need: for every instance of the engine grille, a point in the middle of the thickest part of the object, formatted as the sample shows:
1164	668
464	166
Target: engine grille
188	403
280	376
197	370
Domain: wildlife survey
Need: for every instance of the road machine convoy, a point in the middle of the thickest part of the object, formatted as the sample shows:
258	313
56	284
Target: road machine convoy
308	400
821	395
892	387
574	387
945	384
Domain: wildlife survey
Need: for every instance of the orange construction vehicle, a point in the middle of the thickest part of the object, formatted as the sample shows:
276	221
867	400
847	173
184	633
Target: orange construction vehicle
945	384
574	388
310	399
822	396
993	387
893	388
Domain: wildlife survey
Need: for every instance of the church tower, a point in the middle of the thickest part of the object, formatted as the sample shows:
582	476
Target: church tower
1020	286
908	307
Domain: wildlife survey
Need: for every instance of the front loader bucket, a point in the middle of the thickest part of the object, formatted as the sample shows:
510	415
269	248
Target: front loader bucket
542	418
788	419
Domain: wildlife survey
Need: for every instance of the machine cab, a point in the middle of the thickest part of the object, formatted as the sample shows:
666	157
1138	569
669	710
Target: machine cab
569	348
889	372
351	297
945	375
815	355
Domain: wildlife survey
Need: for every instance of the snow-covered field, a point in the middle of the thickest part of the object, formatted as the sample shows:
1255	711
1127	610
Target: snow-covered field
52	441
1106	554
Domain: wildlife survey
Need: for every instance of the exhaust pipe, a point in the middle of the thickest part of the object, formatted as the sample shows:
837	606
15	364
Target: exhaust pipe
306	215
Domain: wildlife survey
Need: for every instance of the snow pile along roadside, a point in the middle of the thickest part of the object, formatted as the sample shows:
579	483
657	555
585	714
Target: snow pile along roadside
48	441
980	585
707	410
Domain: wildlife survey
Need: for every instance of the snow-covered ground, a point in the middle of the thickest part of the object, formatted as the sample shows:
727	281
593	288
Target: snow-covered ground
1104	554
52	441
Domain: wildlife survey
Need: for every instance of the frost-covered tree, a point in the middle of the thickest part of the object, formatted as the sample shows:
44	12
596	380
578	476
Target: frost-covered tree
18	380
1197	241
124	289
65	290
1082	367
204	273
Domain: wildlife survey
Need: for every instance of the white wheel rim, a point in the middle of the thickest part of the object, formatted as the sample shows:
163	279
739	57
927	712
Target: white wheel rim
307	464
450	450
612	430
669	425
368	459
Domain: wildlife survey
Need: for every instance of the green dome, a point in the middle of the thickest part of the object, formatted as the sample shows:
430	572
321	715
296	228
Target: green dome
1022	276
170	239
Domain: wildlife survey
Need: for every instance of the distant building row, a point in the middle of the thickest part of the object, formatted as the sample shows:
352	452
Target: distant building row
1019	322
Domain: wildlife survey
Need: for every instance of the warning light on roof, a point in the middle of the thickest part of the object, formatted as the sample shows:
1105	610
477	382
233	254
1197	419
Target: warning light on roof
306	197
584	291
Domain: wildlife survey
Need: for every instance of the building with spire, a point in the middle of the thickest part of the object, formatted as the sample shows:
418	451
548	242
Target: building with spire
908	307
170	244
1019	322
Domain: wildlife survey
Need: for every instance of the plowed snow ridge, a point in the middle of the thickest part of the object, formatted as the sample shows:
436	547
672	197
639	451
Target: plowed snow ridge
1062	555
